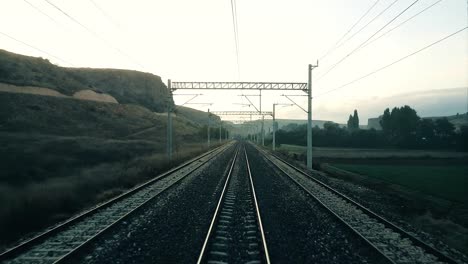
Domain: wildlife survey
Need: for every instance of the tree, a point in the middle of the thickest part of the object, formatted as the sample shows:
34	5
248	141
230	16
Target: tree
355	120
385	122
350	122
462	139
444	128
400	125
426	130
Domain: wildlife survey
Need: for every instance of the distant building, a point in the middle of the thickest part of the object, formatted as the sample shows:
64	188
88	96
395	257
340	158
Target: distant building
374	123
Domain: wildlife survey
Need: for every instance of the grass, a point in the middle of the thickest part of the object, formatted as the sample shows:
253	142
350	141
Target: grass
51	199
448	182
59	156
323	152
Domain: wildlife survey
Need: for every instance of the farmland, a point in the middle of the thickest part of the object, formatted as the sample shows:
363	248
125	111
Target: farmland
447	182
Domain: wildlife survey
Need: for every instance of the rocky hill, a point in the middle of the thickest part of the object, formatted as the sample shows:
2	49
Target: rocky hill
128	87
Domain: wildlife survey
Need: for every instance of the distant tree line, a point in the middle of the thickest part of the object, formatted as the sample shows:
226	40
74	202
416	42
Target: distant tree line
401	128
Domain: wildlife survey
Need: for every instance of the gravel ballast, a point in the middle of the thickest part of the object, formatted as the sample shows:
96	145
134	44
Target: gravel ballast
298	229
171	228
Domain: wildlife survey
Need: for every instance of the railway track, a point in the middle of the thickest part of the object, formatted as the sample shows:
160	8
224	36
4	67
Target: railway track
394	244
61	243
235	234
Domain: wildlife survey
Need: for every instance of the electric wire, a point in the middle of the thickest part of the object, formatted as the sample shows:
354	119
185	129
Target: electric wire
404	22
368	23
105	14
40	11
349	30
95	34
393	63
35	48
236	36
367	40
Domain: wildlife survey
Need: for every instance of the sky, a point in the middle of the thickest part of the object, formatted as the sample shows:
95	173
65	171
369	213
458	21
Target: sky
186	40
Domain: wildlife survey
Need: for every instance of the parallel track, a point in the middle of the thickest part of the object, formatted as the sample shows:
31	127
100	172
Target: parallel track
392	242
64	241
236	233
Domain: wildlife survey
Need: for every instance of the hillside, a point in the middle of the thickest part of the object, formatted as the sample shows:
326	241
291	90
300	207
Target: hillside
128	87
59	155
195	116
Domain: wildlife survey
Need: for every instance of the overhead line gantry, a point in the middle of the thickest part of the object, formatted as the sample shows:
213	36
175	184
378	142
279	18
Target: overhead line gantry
260	86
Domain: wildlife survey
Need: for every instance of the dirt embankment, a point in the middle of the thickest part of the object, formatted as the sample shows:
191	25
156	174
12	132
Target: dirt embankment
89	95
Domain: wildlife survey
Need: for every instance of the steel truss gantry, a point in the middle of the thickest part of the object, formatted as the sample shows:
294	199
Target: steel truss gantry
241	113
240	86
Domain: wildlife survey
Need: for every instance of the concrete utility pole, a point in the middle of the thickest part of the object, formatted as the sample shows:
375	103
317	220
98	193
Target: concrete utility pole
309	116
220	132
262	131
208	129
169	121
274	129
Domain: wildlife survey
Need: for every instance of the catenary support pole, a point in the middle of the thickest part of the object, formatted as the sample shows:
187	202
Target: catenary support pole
220	132
262	131
309	119
309	116
169	121
208	128
274	129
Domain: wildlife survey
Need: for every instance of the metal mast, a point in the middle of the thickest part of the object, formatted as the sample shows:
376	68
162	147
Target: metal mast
309	116
169	121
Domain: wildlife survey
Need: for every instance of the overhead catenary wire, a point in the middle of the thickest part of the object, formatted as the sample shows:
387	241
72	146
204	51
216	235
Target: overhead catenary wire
403	22
105	14
367	40
393	63
35	48
40	11
236	35
331	49
96	35
368	23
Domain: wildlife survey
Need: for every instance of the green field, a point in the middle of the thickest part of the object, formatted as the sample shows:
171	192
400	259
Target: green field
448	182
361	153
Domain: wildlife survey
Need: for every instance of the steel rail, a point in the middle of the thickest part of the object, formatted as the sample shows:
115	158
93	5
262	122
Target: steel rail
217	213
382	254
25	246
218	206
429	249
265	247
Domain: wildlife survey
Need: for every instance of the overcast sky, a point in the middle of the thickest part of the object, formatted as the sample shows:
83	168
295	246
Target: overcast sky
186	40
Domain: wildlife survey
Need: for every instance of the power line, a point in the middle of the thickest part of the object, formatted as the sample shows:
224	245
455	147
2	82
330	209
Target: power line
368	23
40	11
394	62
363	43
402	23
236	36
109	18
237	26
349	30
95	34
35	48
